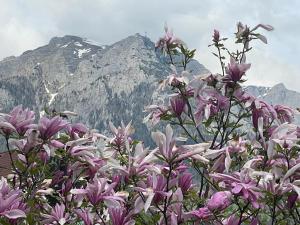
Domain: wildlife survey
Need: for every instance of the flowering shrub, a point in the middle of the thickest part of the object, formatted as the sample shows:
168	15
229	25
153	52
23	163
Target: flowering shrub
216	171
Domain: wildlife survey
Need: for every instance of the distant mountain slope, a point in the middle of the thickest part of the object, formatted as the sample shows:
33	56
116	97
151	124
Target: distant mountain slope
100	83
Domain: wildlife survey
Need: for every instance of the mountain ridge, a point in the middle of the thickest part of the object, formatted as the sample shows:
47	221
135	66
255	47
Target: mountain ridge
101	83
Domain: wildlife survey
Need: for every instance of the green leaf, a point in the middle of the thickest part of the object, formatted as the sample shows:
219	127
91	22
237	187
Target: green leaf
19	165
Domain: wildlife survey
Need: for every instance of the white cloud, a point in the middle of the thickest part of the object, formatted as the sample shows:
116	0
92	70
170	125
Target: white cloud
31	23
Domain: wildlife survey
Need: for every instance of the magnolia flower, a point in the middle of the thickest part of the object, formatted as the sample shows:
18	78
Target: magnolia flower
209	102
121	134
165	143
185	181
25	145
240	184
243	31
178	104
219	200
94	165
202	213
99	191
177	80
284	113
6	128
285	135
11	205
171	153
235	71
238	146
154	190
85	216
169	41
119	216
141	162
20	119
17	121
261	109
85	152
57	215
244	97
216	36
50	127
77	130
232	220
175	210
156	112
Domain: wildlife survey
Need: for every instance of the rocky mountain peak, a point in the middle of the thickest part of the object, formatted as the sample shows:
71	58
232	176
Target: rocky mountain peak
59	41
100	83
279	86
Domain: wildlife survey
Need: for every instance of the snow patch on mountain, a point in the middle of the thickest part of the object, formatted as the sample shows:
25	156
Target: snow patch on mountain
83	51
91	42
66	45
52	97
78	44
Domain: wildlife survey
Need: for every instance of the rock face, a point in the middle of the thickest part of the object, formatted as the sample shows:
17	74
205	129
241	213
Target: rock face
100	83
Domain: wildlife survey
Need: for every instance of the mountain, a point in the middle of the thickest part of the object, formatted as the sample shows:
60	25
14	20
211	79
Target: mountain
100	83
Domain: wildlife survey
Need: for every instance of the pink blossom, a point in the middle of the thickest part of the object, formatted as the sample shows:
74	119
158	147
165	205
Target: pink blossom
21	119
244	97
219	200
140	163
121	134
178	105
168	150
248	191
209	103
119	216
237	146
11	205
284	113
185	181
232	220
25	145
216	36
261	109
177	215
77	130
202	213
235	71
85	215
155	114
98	191
242	30
154	190
50	127
240	184
169	40
58	215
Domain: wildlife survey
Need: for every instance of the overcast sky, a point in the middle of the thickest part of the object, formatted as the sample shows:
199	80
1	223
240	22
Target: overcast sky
28	24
